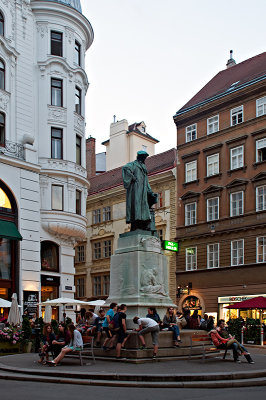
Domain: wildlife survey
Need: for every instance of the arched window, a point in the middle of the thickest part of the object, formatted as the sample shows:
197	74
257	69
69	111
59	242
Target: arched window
49	256
2	24
2	75
2	129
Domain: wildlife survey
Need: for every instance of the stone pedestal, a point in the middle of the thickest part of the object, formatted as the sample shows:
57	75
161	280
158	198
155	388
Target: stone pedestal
139	275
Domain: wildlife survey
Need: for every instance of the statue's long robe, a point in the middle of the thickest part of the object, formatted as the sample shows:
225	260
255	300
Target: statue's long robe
137	207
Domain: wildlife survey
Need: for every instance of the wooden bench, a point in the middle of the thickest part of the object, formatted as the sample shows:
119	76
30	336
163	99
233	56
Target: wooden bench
202	340
88	349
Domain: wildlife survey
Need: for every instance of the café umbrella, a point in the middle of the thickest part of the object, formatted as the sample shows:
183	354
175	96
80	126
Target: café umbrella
47	314
14	317
63	301
4	303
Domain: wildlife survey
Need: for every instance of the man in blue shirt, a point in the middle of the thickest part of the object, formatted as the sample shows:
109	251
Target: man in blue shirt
109	316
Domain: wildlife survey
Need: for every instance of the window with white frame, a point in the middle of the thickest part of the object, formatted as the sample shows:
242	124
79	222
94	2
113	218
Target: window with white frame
237	252
261	249
261	150
213	209
191	171
80	286
191	213
237	157
261	106
213	255
236	204
191	133
237	115
191	258
80	253
213	164
261	198
212	124
57	197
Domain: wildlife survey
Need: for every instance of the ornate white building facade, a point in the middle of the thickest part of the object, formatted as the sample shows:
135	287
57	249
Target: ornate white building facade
43	178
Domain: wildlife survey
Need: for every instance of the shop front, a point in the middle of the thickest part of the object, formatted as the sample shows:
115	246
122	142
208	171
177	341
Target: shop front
226	314
49	291
9	237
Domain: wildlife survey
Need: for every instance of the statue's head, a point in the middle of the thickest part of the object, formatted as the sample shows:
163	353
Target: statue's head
142	155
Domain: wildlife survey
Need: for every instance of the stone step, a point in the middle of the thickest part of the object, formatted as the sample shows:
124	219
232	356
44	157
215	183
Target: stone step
218	383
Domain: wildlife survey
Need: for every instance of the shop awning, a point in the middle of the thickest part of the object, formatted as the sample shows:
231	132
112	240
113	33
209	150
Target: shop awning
255	302
8	230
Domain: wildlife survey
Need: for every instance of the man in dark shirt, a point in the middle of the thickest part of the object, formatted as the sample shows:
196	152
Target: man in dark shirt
121	334
62	339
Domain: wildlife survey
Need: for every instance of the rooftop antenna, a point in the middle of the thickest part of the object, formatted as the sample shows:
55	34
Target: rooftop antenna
114	118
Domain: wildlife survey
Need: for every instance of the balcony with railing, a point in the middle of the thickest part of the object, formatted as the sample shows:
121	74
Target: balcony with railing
12	149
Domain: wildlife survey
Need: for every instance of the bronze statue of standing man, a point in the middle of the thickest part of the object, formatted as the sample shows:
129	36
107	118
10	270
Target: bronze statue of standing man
140	197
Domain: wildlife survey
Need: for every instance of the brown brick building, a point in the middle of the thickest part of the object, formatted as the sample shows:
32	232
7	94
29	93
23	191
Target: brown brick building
221	189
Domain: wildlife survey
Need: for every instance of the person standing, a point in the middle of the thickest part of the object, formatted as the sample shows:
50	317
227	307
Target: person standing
108	318
121	334
147	325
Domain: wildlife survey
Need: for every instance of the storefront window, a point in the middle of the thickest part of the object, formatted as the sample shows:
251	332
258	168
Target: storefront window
49	256
4	200
5	259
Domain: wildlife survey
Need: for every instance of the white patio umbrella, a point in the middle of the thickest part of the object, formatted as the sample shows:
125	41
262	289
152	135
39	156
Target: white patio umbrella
63	301
4	303
47	314
14	317
96	303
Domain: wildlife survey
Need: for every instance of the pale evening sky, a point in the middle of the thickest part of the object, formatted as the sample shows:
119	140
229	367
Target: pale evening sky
149	57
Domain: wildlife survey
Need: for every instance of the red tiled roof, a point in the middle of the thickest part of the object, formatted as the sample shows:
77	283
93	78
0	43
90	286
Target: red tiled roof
239	74
155	164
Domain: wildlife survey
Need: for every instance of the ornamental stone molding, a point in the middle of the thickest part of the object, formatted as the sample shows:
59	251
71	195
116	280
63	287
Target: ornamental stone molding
4	100
70	34
42	28
79	123
151	244
55	62
66	226
57	114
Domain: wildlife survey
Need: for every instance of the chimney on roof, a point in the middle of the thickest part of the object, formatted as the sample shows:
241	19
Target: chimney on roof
90	157
231	62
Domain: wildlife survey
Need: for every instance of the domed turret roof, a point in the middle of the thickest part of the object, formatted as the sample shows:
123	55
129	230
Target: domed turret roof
72	3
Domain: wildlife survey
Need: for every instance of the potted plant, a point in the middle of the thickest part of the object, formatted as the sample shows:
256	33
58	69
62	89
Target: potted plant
10	339
26	335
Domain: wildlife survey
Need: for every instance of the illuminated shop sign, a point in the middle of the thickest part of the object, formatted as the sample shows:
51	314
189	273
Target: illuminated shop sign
236	299
170	246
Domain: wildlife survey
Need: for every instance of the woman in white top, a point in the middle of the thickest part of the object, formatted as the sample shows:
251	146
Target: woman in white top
76	344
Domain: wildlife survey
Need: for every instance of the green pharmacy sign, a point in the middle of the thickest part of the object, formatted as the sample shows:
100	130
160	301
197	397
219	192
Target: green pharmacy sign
170	246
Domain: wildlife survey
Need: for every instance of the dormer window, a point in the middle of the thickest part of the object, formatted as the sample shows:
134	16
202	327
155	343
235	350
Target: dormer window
2	24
